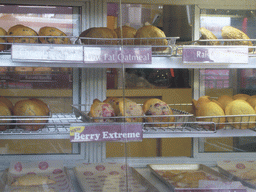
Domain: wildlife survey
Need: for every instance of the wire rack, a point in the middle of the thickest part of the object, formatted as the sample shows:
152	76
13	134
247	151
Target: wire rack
180	122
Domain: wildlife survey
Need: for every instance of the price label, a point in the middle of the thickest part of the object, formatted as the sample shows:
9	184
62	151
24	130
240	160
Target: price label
215	54
51	53
103	132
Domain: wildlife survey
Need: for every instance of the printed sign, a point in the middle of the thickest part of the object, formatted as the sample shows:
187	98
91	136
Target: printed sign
103	132
215	54
42	53
118	55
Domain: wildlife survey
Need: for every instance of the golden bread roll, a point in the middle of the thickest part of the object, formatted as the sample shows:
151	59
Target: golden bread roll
241	96
150	31
2	40
4	111
205	107
29	107
206	34
52	31
224	100
32	180
240	107
101	111
229	32
252	101
127	32
156	106
7	102
21	30
99	32
131	108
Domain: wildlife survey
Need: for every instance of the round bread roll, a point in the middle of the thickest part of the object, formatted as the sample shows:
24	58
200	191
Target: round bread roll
2	40
52	31
29	107
224	100
131	108
150	31
205	107
99	32
229	32
7	102
241	96
156	106
206	34
127	32
4	111
21	30
240	107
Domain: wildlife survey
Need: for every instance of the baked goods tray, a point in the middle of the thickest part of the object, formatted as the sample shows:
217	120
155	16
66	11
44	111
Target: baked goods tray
243	171
158	44
179	177
184	121
57	124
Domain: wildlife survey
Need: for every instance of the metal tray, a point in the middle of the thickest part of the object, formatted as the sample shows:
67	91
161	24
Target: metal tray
236	178
159	169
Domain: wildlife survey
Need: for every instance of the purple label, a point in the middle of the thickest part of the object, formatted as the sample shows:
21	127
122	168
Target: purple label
215	54
211	190
102	132
118	55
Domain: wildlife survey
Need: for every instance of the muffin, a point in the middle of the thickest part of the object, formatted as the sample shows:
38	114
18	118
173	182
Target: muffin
206	34
127	32
52	31
2	40
159	108
4	111
100	111
156	37
99	33
21	30
224	100
131	108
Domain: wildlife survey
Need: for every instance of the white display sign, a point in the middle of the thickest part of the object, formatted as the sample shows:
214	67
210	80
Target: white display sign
42	53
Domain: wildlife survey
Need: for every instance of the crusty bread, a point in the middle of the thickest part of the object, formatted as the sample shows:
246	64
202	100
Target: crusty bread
150	31
241	96
99	32
206	34
32	180
29	107
156	106
229	32
130	108
52	31
127	32
205	107
101	111
21	30
240	107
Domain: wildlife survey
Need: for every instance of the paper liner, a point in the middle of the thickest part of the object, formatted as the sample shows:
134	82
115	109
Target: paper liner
54	170
106	177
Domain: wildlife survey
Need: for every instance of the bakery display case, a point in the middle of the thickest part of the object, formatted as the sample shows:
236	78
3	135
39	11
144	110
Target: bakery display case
127	96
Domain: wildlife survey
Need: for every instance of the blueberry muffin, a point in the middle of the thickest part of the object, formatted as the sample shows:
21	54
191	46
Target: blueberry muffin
52	31
21	30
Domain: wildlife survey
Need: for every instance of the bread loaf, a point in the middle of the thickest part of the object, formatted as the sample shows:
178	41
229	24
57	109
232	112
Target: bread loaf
150	31
104	33
206	34
52	31
127	32
229	32
240	107
30	107
100	111
205	107
156	107
21	30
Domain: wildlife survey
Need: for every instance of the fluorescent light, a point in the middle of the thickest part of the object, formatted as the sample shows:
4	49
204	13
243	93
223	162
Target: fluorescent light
43	7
